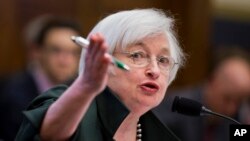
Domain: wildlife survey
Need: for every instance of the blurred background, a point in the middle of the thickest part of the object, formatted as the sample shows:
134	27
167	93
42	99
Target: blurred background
203	27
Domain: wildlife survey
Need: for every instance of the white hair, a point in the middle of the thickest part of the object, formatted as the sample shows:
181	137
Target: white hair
127	27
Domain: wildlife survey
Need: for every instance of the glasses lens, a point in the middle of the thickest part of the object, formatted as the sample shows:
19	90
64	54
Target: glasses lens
166	63
139	59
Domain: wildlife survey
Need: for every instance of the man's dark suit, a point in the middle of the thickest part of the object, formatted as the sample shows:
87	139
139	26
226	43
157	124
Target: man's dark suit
17	92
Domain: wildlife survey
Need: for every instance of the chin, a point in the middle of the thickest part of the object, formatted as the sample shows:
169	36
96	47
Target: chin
149	103
61	80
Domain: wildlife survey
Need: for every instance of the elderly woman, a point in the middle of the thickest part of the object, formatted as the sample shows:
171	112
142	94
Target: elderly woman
106	103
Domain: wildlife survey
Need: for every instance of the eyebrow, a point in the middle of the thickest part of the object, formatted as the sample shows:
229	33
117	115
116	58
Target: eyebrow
140	44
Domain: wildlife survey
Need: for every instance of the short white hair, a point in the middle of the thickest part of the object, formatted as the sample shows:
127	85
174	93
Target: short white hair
127	27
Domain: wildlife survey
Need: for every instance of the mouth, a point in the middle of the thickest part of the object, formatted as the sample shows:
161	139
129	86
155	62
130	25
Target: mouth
150	87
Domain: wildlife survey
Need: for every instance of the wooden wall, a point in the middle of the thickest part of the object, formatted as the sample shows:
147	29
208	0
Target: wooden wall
193	25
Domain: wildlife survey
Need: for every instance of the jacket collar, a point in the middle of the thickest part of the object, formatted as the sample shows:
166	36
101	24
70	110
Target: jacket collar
111	110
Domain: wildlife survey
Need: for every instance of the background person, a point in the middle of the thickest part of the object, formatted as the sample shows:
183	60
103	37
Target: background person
53	59
223	92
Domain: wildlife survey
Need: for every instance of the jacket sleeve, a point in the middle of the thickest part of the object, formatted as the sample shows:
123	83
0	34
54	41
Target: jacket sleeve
34	114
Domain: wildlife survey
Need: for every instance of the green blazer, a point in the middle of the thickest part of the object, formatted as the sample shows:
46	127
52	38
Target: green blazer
100	123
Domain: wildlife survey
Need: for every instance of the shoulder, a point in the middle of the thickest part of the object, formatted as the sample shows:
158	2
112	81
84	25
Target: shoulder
19	78
19	86
50	95
35	112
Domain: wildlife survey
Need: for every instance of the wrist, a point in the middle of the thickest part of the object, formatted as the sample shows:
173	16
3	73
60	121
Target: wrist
85	89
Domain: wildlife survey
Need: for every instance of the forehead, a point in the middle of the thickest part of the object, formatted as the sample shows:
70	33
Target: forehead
60	32
235	75
60	37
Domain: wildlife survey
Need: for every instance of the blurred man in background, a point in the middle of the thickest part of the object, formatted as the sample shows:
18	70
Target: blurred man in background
52	59
224	91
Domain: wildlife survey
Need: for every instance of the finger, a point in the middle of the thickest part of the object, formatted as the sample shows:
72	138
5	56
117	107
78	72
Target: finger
95	42
99	56
97	61
92	44
91	51
103	68
98	71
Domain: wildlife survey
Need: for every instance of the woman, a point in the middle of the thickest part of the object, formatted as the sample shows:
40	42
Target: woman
105	104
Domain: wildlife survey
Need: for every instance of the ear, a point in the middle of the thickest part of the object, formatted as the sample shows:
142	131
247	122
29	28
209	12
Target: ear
33	51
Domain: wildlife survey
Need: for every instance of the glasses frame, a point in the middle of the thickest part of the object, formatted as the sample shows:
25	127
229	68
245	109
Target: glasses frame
149	60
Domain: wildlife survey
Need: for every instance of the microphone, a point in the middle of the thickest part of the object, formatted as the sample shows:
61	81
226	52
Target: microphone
193	108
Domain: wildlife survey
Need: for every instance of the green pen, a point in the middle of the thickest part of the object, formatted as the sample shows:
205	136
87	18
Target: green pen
85	43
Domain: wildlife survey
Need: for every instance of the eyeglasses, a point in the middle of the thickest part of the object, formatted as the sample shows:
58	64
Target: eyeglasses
141	59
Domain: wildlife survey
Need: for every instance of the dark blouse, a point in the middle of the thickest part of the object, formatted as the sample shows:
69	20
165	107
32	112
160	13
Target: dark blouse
100	123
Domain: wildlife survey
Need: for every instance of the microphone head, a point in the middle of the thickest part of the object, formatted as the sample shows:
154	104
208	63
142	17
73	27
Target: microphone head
186	106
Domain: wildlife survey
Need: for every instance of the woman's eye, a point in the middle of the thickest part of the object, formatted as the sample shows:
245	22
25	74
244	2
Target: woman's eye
164	60
137	55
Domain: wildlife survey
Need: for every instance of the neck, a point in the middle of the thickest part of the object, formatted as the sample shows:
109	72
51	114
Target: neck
128	128
42	81
137	109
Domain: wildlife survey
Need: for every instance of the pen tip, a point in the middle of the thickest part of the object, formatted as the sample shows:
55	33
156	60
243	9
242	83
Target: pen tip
73	38
126	67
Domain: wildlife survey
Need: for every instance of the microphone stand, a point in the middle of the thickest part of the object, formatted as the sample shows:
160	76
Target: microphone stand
205	111
193	108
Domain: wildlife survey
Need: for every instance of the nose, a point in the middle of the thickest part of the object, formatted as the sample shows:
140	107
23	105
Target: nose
66	57
153	70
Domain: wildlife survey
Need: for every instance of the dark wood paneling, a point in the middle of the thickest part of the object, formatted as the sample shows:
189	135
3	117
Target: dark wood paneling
11	55
193	25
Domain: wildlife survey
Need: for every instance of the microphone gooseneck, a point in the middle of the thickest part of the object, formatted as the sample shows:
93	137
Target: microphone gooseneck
193	108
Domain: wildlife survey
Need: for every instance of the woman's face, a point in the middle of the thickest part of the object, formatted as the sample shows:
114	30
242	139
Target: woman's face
144	85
